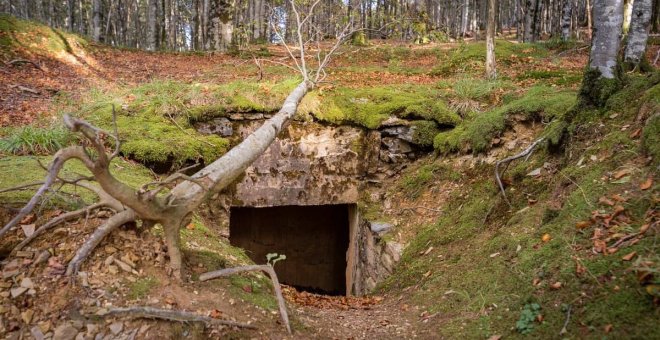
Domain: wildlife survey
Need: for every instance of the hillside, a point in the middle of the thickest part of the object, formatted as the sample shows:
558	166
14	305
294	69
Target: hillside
570	252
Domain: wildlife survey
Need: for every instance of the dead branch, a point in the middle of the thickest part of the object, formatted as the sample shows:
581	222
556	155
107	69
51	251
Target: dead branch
21	187
111	224
525	153
58	220
60	158
266	268
564	330
171	315
25	61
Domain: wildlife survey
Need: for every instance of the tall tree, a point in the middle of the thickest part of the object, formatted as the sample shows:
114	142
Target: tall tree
639	32
491	72
220	25
608	27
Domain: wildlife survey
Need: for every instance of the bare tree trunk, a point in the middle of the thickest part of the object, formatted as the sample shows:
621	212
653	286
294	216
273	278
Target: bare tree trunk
639	32
152	9
608	26
566	15
530	17
491	72
96	20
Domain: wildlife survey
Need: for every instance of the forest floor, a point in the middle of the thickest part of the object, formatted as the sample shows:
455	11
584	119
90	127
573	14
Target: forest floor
440	289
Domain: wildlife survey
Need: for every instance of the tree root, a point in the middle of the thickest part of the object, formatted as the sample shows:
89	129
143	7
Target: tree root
172	315
56	221
266	268
111	224
525	153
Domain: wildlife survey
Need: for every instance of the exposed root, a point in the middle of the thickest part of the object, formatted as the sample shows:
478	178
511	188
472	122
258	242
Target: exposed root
266	268
171	315
25	61
525	153
111	224
56	221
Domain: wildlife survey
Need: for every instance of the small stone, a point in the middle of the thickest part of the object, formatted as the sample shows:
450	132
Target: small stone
28	229
18	291
65	332
380	227
37	333
534	173
116	327
125	267
25	254
27	283
43	257
113	269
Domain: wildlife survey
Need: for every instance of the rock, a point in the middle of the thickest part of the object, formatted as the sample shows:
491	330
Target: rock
27	283
28	229
65	331
219	126
396	145
534	173
401	132
380	227
18	291
395	121
77	324
116	327
43	257
37	333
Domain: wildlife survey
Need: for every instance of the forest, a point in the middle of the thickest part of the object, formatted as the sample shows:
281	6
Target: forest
303	169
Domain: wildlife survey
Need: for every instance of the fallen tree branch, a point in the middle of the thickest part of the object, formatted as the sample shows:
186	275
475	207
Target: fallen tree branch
25	61
525	153
568	318
171	315
266	268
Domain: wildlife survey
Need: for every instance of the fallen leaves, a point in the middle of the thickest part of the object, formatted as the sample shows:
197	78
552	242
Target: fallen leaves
646	184
546	238
303	298
629	256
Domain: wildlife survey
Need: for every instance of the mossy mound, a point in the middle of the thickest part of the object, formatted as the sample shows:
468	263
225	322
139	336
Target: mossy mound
34	38
369	107
536	251
476	133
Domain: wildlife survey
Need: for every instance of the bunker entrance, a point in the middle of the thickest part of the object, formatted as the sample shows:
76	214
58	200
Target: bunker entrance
315	240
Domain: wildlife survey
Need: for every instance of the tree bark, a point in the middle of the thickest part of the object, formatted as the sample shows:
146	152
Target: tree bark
608	27
530	17
152	9
639	32
566	15
491	72
96	20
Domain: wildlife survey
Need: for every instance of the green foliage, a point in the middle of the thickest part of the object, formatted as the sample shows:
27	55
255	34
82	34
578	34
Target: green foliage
359	38
369	107
30	140
525	323
651	138
539	102
423	132
595	90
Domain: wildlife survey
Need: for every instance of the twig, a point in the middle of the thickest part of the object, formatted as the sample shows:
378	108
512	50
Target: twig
525	153
21	187
421	207
172	315
568	318
266	268
25	61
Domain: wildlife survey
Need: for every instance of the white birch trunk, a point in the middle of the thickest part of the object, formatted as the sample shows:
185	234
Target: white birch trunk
608	27
491	72
96	20
152	9
566	18
639	31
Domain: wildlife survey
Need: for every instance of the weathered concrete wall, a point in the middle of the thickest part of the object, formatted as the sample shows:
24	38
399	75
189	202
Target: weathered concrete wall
313	164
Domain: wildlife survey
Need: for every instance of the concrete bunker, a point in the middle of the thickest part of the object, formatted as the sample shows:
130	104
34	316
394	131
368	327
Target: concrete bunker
316	240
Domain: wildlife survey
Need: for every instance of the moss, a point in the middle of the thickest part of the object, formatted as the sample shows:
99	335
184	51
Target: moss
595	90
140	288
651	138
359	38
539	102
17	170
369	107
423	132
34	38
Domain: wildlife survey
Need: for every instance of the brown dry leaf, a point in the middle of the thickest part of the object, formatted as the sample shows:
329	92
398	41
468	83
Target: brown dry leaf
646	184
583	224
618	198
608	328
619	174
539	318
190	226
427	273
28	219
546	238
644	228
495	337
536	281
629	256
606	201
216	314
579	268
618	209
636	133
600	246
612	250
556	285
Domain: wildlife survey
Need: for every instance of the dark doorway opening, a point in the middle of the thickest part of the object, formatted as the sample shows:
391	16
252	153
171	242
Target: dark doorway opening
314	239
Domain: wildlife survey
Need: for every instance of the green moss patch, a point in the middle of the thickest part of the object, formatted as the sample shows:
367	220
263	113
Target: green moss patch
35	38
